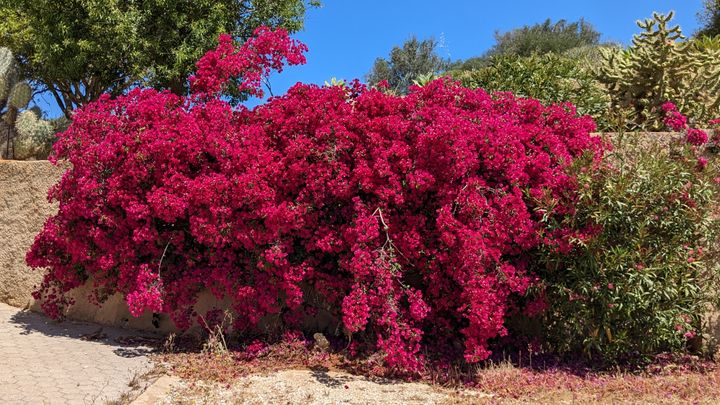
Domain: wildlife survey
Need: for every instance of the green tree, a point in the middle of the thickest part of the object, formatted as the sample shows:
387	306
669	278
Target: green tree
407	63
539	39
544	38
77	50
710	18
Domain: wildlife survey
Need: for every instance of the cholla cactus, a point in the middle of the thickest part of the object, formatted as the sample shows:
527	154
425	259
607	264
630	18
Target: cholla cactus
660	66
26	135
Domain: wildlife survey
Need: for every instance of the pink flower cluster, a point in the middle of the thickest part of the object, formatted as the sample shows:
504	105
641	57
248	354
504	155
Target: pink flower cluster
410	218
676	121
696	137
268	50
673	118
685	328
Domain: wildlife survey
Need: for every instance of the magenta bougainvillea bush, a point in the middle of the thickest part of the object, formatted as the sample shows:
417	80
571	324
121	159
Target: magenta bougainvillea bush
409	218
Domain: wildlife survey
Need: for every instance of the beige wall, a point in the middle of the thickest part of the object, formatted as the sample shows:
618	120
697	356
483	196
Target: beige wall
23	210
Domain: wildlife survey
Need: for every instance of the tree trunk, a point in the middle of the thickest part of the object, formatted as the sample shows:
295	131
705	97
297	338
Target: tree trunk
177	86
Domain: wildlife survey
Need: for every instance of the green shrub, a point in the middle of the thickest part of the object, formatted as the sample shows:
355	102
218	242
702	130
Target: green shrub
549	78
642	284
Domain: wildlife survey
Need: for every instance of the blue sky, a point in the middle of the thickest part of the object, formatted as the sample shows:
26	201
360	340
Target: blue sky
345	36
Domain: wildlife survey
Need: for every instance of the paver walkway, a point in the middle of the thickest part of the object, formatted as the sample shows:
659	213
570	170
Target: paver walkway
45	362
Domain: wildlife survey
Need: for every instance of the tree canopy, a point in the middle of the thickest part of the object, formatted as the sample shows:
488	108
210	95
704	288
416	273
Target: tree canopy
544	38
538	39
77	50
407	63
710	18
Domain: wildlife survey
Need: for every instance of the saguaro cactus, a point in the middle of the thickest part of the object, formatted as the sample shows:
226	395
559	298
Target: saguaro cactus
25	134
659	66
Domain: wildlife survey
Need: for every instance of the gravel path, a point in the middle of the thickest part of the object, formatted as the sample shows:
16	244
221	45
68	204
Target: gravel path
46	362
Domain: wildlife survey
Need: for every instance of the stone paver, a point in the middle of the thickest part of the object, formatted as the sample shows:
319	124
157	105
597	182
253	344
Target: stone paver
46	362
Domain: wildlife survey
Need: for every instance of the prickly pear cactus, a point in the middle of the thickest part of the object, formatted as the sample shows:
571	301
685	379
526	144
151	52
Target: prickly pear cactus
662	65
23	133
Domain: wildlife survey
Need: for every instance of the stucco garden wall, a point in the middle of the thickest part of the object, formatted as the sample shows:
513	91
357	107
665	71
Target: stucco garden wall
23	211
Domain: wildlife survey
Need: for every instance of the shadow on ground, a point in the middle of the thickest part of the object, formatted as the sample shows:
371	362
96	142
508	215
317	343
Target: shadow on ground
132	343
321	374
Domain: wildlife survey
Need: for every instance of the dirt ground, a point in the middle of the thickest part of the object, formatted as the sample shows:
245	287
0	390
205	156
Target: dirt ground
319	387
220	379
315	387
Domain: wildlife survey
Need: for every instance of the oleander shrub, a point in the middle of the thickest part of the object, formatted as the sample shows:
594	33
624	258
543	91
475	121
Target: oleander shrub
642	284
409	219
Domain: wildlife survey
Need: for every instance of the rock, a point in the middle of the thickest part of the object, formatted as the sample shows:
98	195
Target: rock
321	341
